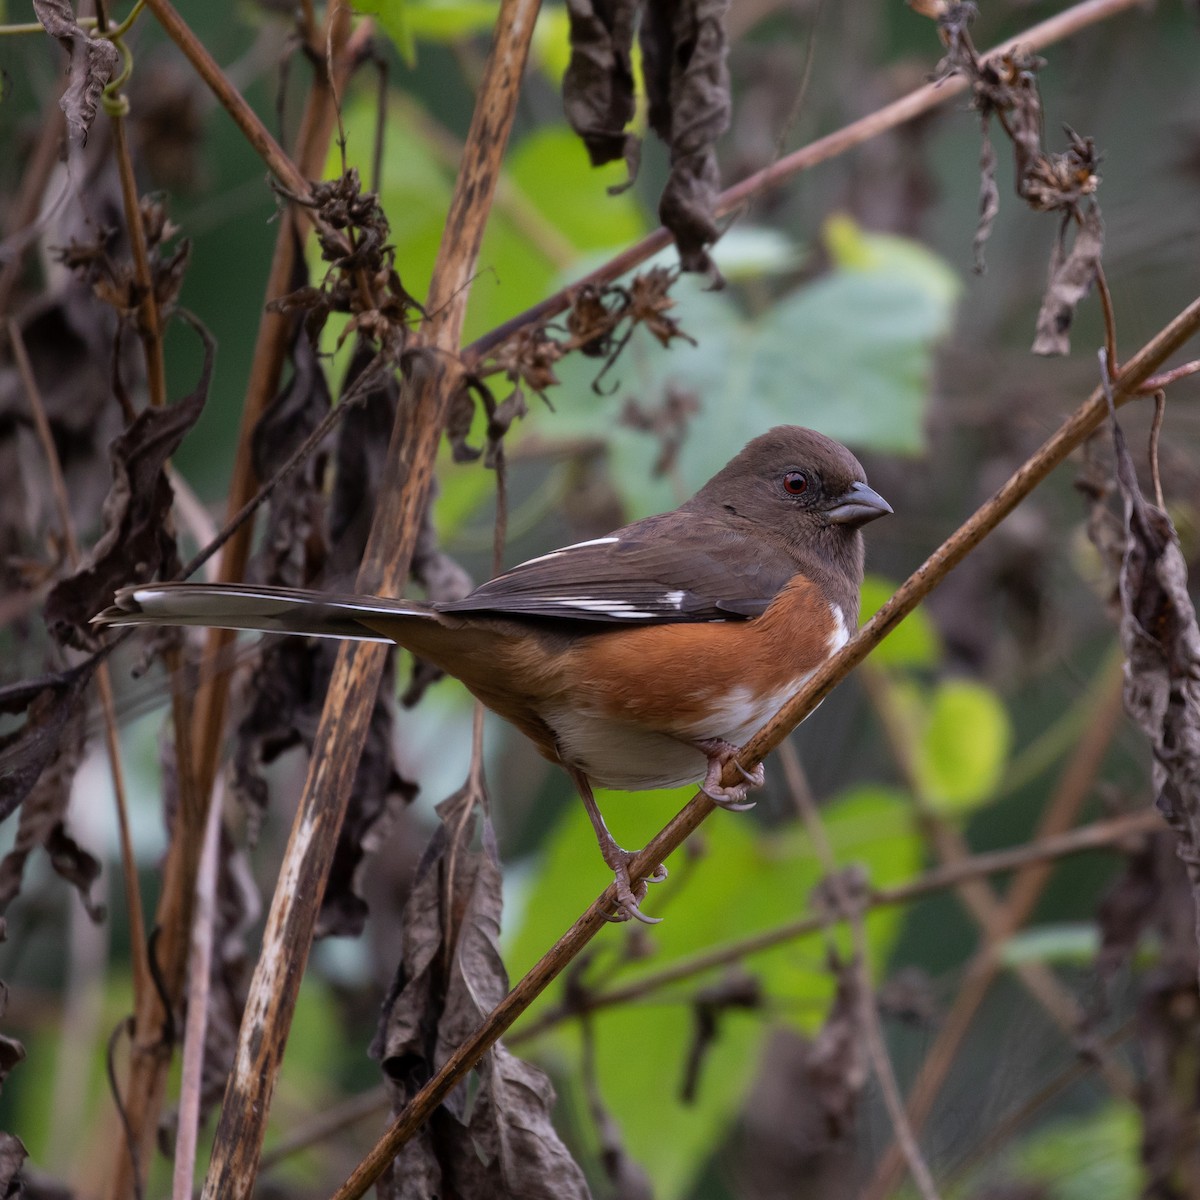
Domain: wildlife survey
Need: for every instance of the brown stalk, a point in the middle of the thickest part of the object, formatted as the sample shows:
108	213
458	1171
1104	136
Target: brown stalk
1057	28
150	1058
1006	918
1086	419
147	1043
850	908
434	374
196	1026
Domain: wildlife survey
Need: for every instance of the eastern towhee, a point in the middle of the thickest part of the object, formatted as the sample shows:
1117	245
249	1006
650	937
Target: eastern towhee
643	659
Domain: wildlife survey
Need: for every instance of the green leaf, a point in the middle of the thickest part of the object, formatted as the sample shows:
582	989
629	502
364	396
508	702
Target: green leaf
747	882
1072	942
392	16
849	354
450	20
912	643
552	170
962	749
1095	1157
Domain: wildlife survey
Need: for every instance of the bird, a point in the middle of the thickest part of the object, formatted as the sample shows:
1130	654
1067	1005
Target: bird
638	660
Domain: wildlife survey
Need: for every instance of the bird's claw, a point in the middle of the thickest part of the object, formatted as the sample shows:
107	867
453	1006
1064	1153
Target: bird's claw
732	799
629	897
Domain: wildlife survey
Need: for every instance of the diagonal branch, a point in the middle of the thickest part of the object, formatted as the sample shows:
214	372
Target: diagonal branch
1085	420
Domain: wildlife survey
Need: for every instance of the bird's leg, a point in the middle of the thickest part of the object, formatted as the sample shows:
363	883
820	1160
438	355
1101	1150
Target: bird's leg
719	752
618	860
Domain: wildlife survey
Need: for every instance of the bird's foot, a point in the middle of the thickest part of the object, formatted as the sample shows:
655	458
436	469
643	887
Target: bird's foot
629	894
733	798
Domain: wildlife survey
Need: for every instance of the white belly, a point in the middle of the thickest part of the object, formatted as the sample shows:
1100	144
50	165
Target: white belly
632	758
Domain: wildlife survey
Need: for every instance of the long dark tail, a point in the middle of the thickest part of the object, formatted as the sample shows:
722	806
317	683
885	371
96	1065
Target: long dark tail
267	609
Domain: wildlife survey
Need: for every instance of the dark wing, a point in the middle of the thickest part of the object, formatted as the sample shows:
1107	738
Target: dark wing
674	567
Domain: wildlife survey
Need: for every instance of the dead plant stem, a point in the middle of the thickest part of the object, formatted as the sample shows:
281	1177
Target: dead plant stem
433	376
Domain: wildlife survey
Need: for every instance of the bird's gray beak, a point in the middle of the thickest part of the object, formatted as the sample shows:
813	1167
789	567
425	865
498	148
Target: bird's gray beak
857	506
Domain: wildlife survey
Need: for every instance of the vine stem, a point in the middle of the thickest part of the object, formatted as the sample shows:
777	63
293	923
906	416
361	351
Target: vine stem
1078	426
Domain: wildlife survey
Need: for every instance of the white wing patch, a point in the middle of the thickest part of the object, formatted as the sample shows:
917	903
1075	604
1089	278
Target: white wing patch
604	541
612	608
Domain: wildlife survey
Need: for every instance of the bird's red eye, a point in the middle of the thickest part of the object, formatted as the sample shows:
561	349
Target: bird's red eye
795	484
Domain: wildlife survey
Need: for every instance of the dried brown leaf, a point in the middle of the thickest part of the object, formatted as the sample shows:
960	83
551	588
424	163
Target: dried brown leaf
598	91
1072	274
782	1149
837	1067
1161	640
687	86
12	1158
94	61
42	823
450	975
138	542
26	752
293	550
989	194
12	1052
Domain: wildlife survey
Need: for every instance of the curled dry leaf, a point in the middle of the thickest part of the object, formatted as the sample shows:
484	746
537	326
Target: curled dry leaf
292	551
598	90
837	1062
26	752
1005	86
94	61
666	422
42	823
1161	641
138	542
450	976
1072	274
12	1158
687	84
285	695
782	1149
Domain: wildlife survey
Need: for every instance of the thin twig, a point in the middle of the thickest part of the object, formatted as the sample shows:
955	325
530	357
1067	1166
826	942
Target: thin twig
1160	411
1070	434
1157	382
1110	318
1100	836
850	909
